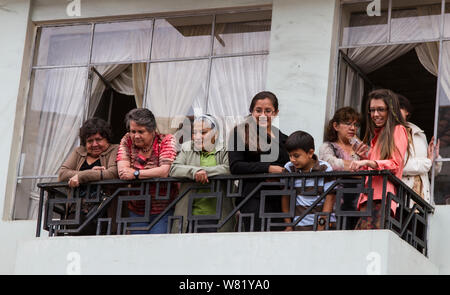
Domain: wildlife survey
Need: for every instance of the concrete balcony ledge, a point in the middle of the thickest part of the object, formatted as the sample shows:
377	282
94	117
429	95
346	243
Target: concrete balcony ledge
332	252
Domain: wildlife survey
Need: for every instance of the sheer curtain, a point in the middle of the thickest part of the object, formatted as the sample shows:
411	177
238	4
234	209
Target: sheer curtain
54	119
234	82
128	79
412	24
175	88
120	42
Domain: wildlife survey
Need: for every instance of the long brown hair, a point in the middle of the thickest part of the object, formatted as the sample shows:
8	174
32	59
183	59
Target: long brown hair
345	114
394	118
249	130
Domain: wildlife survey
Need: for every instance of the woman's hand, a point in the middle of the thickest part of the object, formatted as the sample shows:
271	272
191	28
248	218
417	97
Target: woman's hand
73	181
275	169
361	150
126	173
358	165
98	168
201	176
433	151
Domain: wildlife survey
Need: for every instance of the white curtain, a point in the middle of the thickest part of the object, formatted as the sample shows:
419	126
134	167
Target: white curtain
234	82
54	119
176	89
128	79
412	24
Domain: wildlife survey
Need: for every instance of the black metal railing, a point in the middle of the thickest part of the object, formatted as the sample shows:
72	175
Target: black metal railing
102	205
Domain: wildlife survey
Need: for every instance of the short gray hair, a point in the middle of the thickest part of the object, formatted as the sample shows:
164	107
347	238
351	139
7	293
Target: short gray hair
142	117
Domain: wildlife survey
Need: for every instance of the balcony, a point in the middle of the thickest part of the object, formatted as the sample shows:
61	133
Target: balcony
107	205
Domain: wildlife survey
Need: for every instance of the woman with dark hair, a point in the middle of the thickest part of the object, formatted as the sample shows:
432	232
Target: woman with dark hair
256	146
93	160
341	133
386	133
337	150
415	172
144	153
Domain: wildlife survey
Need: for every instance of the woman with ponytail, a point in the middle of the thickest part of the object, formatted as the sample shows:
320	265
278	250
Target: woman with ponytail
388	139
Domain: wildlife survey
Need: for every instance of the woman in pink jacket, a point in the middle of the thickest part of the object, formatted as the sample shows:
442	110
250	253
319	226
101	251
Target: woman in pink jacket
388	139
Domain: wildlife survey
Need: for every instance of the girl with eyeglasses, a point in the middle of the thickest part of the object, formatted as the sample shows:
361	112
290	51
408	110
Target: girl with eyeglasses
388	139
256	146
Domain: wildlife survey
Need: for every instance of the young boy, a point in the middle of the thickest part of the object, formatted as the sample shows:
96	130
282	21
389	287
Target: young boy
300	146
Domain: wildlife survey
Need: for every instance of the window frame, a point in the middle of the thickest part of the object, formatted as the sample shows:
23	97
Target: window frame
18	177
441	41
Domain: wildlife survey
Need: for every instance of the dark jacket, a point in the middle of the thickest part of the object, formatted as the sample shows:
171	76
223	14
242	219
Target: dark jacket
251	162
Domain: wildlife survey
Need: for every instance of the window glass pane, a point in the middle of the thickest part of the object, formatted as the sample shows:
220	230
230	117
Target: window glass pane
442	184
243	32
64	46
52	123
234	82
415	20
123	41
182	37
443	128
175	90
361	28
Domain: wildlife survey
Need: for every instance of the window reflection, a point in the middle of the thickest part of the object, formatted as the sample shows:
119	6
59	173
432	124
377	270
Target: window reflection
359	28
124	41
182	37
64	46
245	32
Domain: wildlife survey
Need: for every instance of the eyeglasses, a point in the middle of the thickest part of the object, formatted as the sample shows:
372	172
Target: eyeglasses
380	110
356	125
267	112
96	139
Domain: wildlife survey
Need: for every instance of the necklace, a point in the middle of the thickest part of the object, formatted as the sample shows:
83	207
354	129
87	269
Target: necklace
146	150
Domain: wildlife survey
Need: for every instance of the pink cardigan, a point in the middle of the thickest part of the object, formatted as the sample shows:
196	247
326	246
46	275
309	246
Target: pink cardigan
395	164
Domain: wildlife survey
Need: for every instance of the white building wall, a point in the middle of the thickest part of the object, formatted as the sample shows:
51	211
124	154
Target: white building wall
299	73
439	238
14	69
338	252
300	64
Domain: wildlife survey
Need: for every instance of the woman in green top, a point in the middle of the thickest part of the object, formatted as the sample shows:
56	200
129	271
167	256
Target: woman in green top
199	159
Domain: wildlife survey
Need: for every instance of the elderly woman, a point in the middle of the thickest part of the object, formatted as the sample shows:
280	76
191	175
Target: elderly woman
198	160
144	153
93	160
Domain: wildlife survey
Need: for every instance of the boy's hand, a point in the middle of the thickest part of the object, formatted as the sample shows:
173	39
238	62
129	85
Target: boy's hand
289	228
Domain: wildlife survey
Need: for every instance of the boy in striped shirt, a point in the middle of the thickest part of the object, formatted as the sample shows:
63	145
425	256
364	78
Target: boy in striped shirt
300	146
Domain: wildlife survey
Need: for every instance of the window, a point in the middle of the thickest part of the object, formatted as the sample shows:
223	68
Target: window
405	48
174	66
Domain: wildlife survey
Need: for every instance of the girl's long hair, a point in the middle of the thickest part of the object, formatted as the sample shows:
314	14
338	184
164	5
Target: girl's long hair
250	131
386	138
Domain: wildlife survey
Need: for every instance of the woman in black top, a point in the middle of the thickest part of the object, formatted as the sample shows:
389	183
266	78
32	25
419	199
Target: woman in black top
258	147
